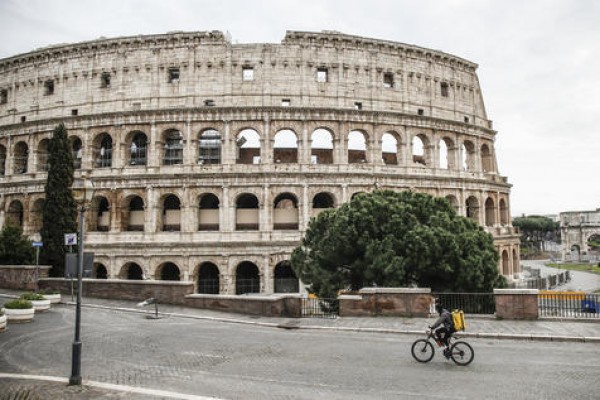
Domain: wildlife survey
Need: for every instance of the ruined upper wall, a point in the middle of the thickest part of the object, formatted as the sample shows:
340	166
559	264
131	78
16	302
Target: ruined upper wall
198	69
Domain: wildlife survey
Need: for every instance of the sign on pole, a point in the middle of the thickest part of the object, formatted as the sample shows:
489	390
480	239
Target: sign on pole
37	244
70	239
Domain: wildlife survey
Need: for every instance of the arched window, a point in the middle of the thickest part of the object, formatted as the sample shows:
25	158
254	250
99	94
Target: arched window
2	160
100	271
246	213
248	147
42	155
171	214
132	271
14	216
468	156
321	147
473	208
36	215
447	154
20	158
490	212
208	213
503	212
357	147
505	263
209	147
286	280
101	221
168	272
247	279
135	214
173	148
138	149
208	278
389	149
285	212
285	148
76	151
453	202
320	202
486	159
103	151
419	150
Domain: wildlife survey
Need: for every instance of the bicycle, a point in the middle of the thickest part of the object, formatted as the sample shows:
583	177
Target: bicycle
461	352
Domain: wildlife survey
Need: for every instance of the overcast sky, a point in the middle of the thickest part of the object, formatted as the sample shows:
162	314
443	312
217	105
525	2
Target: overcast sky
539	64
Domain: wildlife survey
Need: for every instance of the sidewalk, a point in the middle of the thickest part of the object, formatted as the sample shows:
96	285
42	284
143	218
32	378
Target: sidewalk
477	326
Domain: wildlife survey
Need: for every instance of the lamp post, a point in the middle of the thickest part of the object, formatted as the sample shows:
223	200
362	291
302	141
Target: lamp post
83	191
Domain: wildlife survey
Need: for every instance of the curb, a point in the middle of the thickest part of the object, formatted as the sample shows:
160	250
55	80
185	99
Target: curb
297	325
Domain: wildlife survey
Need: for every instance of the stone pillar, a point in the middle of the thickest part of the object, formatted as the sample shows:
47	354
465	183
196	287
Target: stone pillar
516	303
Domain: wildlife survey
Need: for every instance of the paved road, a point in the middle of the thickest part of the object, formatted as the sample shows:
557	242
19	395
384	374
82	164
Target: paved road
234	361
580	280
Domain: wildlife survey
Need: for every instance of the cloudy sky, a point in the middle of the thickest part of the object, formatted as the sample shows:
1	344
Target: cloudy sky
539	64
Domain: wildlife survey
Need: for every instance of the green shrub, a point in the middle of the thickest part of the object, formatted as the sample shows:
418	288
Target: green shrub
32	296
49	291
1	312
18	304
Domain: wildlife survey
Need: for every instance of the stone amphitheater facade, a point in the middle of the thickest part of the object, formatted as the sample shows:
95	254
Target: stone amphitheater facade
209	158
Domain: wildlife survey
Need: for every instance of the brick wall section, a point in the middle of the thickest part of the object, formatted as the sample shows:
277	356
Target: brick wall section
398	302
167	292
288	306
516	303
21	277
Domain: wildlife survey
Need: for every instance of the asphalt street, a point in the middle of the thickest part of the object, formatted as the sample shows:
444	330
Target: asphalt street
235	361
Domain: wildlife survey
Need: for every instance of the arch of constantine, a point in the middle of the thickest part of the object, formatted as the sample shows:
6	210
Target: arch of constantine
209	158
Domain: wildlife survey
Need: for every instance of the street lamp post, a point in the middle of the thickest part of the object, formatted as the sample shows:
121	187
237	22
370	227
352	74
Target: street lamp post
83	191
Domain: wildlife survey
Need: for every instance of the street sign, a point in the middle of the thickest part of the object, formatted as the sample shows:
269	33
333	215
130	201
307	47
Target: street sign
70	239
37	244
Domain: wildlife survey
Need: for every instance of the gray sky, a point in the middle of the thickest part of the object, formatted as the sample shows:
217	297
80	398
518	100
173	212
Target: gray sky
539	64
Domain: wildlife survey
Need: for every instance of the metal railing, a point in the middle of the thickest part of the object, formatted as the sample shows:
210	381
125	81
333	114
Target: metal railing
569	305
470	303
320	308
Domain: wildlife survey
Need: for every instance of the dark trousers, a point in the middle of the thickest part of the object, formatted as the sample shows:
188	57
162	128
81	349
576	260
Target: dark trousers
443	334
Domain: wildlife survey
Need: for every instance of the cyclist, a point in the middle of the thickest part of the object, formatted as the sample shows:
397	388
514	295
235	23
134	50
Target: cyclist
445	330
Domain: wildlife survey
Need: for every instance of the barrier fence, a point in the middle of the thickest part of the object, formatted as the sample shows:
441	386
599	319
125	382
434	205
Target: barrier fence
470	303
569	304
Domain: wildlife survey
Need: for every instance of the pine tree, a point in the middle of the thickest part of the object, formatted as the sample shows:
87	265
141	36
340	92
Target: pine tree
15	248
60	209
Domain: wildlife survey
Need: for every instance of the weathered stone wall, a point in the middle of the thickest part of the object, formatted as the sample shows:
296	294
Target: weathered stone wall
269	306
21	277
398	302
516	303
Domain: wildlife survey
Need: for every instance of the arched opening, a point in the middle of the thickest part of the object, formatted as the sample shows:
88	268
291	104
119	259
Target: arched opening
389	149
171	216
36	215
285	147
285	278
2	160
20	158
355	194
321	147
505	263
135	215
42	155
593	244
246	213
486	159
99	271
357	147
453	202
447	154
132	271
138	149
168	272
208	278
103	151
208	213
101	220
419	150
490	212
285	212
473	208
503	212
248	146
209	147
14	216
320	202
247	279
173	147
575	252
76	151
468	156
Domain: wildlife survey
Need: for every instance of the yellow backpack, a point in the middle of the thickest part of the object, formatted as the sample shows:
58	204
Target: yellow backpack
458	319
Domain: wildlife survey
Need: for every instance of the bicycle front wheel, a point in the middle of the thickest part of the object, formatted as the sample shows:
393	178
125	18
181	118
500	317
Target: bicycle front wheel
462	353
422	350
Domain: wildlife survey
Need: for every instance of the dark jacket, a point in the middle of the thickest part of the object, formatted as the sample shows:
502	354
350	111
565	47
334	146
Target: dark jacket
446	319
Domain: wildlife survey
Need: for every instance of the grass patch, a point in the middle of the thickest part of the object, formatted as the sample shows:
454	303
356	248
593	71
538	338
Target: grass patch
577	267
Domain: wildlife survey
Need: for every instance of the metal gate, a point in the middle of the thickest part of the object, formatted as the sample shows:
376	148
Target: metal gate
320	308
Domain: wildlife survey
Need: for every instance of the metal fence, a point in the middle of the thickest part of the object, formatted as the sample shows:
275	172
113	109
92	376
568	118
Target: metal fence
569	305
470	303
320	308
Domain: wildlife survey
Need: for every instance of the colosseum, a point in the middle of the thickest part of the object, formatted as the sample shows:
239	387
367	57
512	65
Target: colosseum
209	158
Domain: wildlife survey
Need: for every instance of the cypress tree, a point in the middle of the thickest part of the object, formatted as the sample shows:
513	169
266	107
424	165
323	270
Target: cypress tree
60	209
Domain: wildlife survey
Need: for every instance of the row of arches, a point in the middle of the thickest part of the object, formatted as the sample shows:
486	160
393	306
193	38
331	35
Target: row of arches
208	279
211	213
248	147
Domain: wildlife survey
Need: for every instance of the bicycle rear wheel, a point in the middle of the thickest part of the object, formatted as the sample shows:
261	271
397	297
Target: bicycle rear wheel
462	353
422	350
